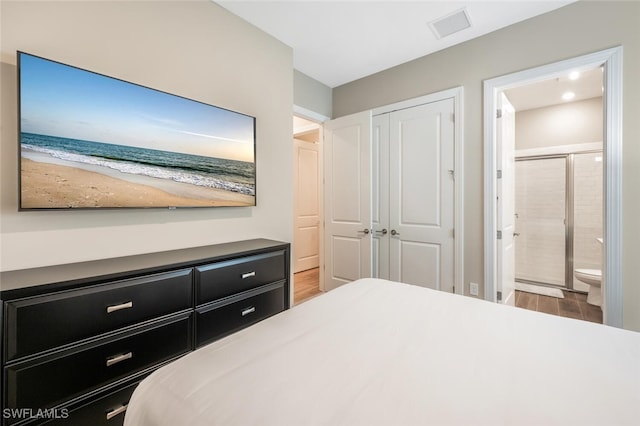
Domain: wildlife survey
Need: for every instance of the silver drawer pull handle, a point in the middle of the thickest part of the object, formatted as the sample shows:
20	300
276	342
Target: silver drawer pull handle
115	411
248	311
119	307
249	274
119	358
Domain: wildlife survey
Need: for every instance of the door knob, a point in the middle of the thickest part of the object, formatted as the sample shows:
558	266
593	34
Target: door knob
365	231
383	232
394	232
515	234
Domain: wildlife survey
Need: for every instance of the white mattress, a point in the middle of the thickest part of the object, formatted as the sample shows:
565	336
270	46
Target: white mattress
375	352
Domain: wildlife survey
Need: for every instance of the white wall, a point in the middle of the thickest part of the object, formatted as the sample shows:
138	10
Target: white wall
193	49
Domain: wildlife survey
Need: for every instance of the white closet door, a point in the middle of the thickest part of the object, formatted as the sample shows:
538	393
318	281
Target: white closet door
422	195
347	161
380	195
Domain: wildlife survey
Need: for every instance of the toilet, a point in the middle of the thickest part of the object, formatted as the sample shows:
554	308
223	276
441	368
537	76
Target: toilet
592	277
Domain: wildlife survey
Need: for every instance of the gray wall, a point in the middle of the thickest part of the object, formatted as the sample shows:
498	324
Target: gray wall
193	49
562	124
311	94
580	28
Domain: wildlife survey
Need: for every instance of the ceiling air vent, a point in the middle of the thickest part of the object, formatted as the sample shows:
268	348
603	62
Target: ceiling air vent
450	24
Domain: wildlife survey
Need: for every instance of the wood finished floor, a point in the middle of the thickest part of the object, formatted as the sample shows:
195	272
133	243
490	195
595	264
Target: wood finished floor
306	284
574	305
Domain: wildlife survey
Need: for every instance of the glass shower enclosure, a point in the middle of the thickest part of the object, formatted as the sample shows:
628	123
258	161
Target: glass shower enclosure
558	205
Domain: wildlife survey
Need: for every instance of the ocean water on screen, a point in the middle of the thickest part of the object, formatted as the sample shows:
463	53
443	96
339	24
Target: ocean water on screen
211	172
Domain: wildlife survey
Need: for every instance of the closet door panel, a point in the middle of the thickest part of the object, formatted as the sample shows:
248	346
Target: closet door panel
347	192
419	263
380	196
418	171
421	208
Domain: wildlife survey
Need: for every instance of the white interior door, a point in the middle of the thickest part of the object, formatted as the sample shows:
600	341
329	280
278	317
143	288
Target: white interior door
380	195
347	191
306	168
505	161
422	195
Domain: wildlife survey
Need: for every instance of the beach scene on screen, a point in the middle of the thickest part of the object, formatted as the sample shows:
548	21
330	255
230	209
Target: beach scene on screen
88	140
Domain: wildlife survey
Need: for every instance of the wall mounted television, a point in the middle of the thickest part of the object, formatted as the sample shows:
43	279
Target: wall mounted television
89	141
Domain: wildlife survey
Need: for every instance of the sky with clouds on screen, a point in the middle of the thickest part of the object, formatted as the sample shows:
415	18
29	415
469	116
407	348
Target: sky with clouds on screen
60	100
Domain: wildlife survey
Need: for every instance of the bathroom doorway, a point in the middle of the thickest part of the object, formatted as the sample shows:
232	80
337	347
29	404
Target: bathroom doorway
558	187
611	142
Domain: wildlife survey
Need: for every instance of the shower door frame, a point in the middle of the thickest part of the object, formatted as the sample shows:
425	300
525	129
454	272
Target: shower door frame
568	217
569	209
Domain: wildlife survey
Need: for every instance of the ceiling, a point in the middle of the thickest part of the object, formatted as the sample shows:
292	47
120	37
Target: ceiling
303	126
336	42
587	84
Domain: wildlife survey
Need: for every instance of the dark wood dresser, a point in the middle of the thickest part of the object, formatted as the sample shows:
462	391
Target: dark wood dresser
77	339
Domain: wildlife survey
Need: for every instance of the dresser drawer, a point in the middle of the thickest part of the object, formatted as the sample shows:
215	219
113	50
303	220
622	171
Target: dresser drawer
219	319
39	323
234	276
105	410
52	380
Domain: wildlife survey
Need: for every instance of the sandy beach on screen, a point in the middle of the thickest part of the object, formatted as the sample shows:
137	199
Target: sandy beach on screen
57	186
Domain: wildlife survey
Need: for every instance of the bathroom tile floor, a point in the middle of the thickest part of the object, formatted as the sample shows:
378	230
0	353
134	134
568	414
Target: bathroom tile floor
574	305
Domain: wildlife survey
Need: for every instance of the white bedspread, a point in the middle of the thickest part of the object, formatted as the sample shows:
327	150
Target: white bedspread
375	352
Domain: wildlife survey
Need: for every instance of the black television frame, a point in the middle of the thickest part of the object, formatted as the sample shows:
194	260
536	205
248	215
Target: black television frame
214	202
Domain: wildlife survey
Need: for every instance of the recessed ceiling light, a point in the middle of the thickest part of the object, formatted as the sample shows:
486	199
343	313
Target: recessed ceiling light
574	75
567	96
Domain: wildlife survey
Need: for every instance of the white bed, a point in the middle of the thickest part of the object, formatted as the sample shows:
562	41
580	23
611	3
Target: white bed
375	352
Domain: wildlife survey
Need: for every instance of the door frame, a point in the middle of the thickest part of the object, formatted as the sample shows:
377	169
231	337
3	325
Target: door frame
320	119
611	61
300	145
505	158
457	94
